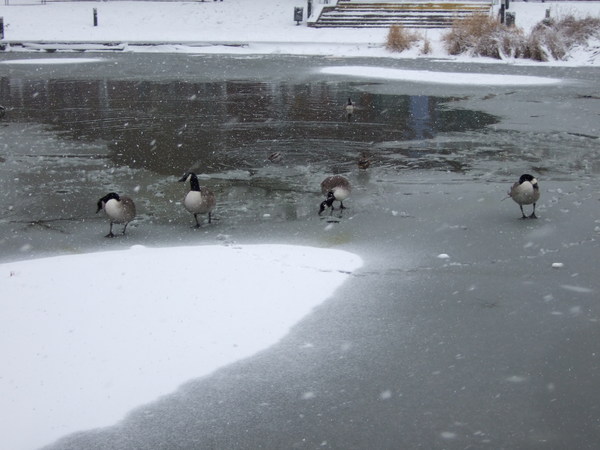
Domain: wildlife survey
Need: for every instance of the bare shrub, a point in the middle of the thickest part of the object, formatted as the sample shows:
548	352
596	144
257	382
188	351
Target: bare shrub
473	34
555	38
483	35
426	49
400	39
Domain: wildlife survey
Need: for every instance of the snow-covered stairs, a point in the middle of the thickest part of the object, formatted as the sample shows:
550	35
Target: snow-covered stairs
410	14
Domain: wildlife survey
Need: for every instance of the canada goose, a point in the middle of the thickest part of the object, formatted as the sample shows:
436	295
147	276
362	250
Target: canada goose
275	157
364	162
335	187
198	200
525	192
2	111
349	107
119	209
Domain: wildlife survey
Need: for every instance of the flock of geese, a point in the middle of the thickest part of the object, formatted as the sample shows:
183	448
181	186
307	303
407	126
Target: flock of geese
120	209
200	200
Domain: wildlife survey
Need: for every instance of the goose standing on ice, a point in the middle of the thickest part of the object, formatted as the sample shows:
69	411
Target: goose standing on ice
334	188
198	200
349	108
119	209
526	191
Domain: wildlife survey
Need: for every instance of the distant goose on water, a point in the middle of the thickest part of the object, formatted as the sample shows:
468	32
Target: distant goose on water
335	188
526	191
364	162
198	200
2	111
275	157
119	209
349	107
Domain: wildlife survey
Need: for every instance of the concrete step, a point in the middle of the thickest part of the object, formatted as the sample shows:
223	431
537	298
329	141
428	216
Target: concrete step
354	14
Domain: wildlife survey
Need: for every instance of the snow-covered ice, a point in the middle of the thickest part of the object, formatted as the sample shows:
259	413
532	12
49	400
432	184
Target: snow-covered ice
425	76
87	338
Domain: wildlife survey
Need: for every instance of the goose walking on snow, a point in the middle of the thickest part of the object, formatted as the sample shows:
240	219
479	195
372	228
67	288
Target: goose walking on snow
526	191
119	209
199	200
335	188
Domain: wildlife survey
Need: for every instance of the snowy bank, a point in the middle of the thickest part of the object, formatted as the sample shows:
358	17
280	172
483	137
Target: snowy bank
425	76
233	26
87	338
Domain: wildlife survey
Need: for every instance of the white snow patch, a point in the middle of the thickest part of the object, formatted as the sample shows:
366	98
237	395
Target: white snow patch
426	76
87	338
516	379
448	435
385	395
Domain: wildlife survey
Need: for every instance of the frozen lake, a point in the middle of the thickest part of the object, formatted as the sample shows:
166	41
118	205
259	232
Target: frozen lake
466	326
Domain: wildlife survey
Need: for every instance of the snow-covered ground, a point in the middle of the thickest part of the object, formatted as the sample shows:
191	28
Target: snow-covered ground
235	26
87	338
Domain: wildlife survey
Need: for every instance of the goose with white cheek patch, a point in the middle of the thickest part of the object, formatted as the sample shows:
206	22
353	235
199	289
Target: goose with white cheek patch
119	209
335	188
526	191
199	200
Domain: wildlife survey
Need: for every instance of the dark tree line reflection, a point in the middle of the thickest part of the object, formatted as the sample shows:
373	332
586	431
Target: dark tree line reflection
170	127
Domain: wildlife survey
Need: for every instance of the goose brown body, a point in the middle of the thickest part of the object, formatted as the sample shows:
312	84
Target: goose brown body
118	208
335	188
526	191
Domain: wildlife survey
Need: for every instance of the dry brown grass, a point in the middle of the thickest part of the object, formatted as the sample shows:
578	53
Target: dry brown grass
553	38
481	35
426	49
400	39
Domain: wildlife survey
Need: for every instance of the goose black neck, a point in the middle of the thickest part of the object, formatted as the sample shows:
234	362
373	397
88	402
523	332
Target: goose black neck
194	184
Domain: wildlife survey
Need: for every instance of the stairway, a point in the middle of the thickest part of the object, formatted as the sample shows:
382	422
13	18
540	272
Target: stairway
411	14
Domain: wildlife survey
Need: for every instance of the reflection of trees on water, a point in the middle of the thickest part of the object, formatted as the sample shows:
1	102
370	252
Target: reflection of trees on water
174	126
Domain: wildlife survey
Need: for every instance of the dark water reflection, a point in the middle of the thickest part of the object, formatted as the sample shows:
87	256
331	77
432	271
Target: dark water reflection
170	127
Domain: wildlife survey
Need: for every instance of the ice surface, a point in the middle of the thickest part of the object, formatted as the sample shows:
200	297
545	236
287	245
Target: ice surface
494	347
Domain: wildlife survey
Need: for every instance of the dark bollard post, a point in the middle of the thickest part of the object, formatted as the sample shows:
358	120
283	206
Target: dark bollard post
502	13
506	4
510	19
298	14
95	17
1	27
309	8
